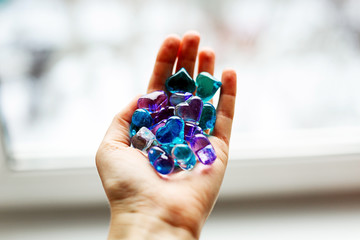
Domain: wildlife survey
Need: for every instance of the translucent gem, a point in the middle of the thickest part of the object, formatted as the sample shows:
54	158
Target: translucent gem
133	130
207	86
179	97
203	149
156	127
190	110
180	82
184	156
154	153
143	139
161	161
172	132
153	101
142	118
190	129
163	113
208	117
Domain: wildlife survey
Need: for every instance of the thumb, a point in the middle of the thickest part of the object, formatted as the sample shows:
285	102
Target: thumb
119	127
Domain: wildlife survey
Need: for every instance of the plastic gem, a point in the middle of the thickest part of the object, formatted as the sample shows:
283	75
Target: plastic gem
180	82
142	118
184	156
143	139
203	149
179	97
153	101
208	117
190	110
207	86
161	161
172	132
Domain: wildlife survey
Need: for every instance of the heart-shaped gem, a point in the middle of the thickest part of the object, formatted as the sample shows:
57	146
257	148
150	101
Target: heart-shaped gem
190	110
203	149
179	97
172	132
153	101
208	117
161	161
207	86
142	118
180	82
183	156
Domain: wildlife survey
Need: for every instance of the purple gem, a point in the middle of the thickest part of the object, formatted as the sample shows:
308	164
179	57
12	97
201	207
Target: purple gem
190	129
163	113
179	97
203	149
153	101
190	110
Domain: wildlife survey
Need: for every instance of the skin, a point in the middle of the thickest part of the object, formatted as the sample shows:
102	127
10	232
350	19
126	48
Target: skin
144	204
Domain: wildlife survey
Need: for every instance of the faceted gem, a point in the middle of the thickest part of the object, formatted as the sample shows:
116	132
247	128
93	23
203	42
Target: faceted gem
172	132
184	156
161	161
190	110
180	82
179	97
163	113
190	130
207	86
203	149
133	130
153	101
143	139
156	127
208	117
142	118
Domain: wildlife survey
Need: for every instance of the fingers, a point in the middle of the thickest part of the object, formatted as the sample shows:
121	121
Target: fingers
164	63
188	52
226	106
206	61
119	128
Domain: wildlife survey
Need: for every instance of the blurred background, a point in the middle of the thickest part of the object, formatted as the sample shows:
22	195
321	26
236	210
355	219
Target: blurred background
67	66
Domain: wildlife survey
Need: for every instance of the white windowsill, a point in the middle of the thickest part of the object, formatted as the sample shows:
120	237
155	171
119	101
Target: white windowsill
314	162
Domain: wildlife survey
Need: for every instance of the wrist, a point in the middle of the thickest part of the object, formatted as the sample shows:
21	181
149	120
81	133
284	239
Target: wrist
141	226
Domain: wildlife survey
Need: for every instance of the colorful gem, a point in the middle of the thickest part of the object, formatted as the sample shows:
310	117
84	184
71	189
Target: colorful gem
207	86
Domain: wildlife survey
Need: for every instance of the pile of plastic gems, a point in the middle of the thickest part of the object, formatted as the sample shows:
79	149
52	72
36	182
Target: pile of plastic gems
170	126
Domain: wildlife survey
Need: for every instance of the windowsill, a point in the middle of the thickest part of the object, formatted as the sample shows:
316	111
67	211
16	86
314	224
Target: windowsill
314	162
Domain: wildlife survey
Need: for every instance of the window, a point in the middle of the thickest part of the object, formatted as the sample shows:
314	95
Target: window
66	67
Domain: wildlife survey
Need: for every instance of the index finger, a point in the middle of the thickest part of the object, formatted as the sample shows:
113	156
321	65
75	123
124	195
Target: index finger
164	63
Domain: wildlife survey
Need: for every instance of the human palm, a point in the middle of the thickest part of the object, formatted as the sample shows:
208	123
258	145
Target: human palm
183	199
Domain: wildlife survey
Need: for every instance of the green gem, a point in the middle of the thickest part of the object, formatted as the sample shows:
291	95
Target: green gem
208	117
207	86
180	82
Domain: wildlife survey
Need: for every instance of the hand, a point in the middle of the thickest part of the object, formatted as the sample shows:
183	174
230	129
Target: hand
143	203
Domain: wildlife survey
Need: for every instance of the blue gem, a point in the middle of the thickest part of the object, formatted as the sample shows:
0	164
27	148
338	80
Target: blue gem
142	118
184	156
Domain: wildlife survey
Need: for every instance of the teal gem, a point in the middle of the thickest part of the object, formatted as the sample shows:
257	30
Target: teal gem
180	82
183	156
207	86
208	117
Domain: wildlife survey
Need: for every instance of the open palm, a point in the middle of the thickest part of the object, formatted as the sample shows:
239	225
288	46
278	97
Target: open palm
183	199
